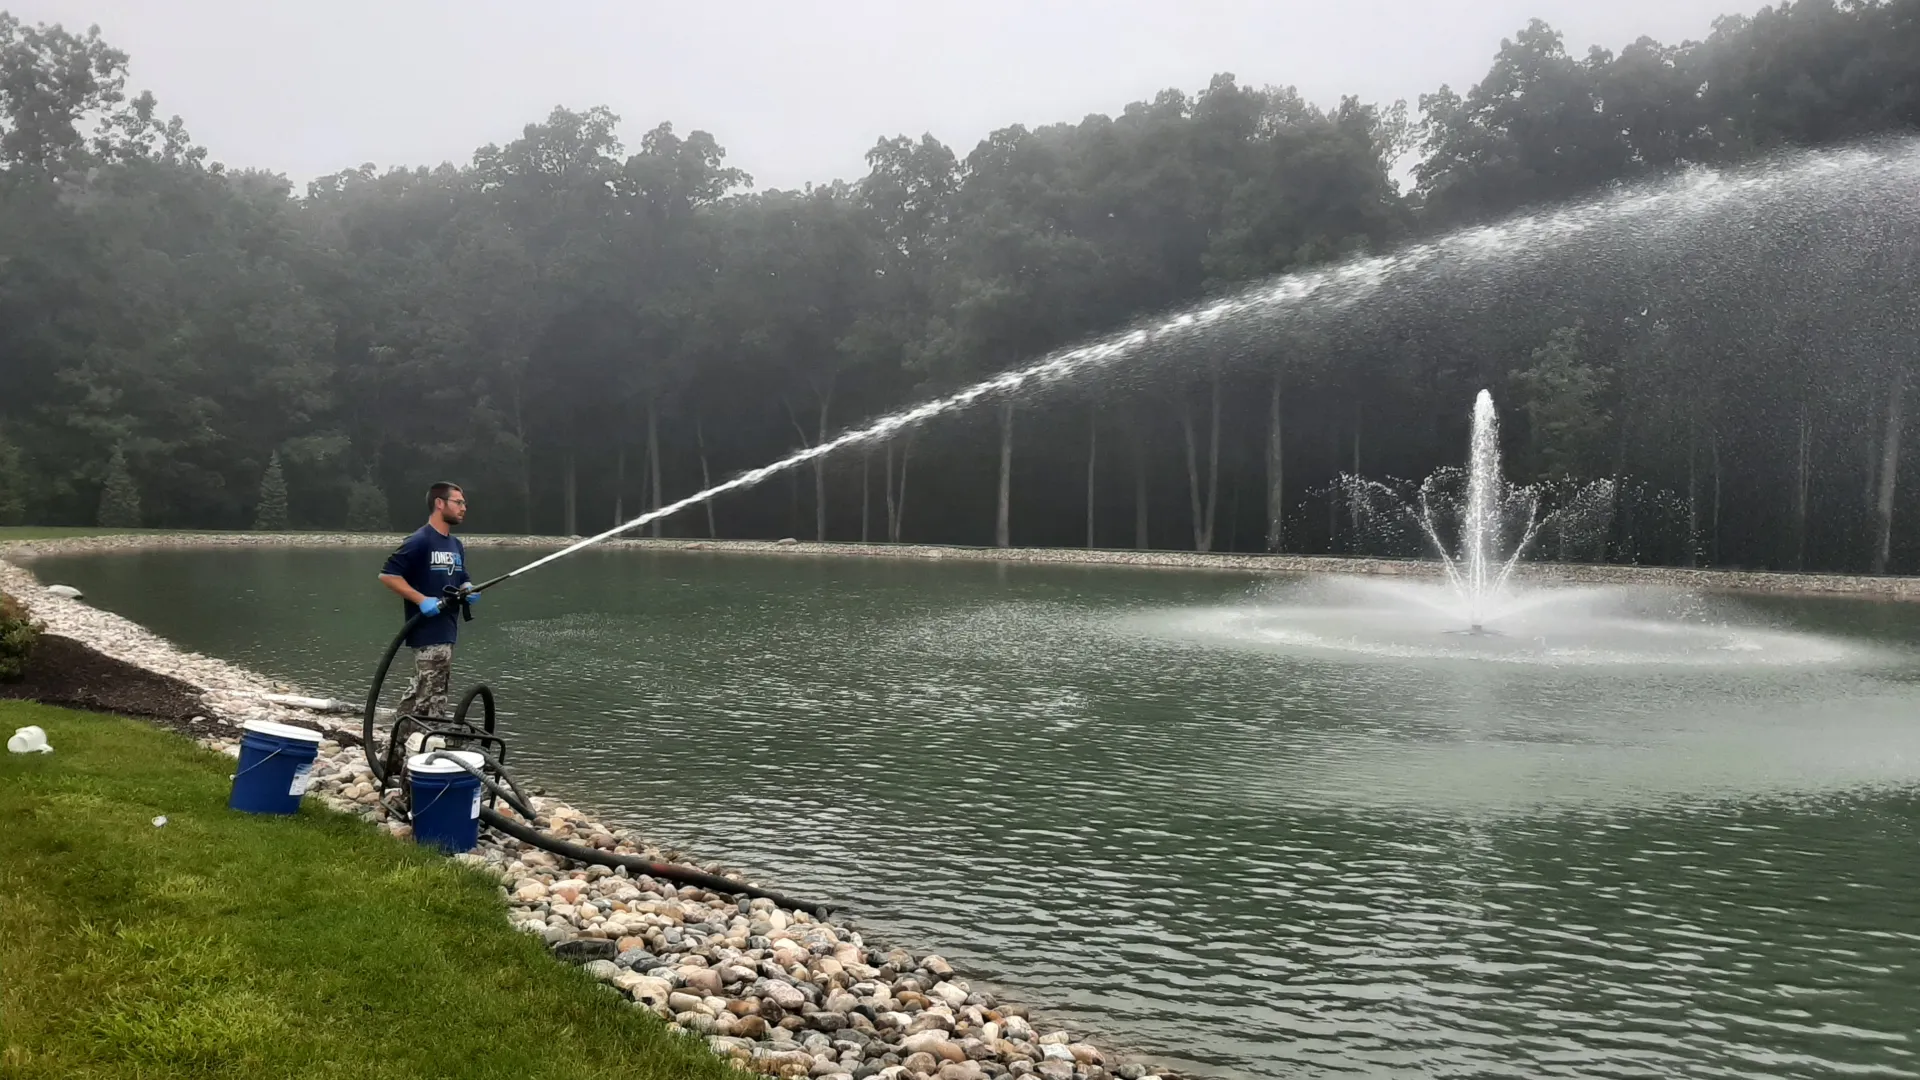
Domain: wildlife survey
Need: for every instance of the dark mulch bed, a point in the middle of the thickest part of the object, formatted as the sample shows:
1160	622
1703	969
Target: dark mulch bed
62	671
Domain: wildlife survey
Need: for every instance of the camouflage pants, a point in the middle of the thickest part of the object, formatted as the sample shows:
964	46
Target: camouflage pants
432	672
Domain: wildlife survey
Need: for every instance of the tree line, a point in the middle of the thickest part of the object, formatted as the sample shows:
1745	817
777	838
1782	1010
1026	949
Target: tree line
578	330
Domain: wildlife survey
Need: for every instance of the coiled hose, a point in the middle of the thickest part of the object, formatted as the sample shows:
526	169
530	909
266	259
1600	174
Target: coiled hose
522	830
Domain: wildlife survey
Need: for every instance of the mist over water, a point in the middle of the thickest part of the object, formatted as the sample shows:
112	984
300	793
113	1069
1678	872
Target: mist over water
1693	232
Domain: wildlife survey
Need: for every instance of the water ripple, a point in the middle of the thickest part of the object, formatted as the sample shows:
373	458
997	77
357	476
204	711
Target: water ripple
1251	862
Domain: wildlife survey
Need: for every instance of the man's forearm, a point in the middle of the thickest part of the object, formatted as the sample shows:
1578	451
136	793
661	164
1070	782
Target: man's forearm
399	585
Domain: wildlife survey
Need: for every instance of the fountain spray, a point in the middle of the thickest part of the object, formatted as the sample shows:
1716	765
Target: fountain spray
1507	247
1483	483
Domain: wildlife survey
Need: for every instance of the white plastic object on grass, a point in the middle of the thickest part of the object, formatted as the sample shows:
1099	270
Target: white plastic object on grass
29	740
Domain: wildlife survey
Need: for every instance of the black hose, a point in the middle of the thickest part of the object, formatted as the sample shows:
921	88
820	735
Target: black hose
519	830
683	875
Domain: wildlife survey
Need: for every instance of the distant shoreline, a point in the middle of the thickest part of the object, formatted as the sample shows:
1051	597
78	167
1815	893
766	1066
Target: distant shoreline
1777	583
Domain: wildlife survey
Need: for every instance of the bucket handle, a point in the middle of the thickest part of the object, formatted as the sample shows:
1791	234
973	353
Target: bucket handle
270	756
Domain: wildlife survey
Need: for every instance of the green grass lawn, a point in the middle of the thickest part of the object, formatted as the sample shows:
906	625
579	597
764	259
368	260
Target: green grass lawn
228	945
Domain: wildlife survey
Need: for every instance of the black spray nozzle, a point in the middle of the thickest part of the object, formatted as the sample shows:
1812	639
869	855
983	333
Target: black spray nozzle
456	596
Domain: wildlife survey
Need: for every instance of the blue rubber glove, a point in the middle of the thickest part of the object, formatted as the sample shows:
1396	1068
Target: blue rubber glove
470	597
429	606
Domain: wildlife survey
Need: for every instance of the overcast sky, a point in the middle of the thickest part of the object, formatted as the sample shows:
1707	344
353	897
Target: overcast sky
796	90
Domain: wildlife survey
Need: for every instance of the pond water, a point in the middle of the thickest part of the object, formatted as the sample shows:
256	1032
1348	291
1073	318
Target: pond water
1253	827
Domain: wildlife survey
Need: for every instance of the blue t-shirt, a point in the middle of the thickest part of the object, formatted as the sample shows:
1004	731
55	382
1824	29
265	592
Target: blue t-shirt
430	562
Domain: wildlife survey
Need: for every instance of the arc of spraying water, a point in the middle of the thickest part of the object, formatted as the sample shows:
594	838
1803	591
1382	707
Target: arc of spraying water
1507	244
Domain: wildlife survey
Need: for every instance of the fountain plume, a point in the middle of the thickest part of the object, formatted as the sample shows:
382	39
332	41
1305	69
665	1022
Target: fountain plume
1480	535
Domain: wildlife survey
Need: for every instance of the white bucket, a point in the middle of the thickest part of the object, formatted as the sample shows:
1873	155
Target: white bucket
282	731
29	740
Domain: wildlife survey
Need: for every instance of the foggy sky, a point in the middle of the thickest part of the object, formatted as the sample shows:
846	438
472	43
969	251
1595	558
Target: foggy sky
796	90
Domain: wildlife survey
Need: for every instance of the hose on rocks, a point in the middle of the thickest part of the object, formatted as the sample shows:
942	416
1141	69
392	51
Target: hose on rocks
523	831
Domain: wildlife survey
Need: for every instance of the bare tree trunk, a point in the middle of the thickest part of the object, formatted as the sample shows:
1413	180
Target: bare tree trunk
572	497
893	511
1203	512
1276	474
1233	516
1002	531
866	489
1333	501
1889	471
526	465
620	484
1140	530
1193	472
1802	489
1356	438
653	457
1213	465
820	464
1093	457
1693	494
1713	451
897	502
706	478
1619	523
825	397
1353	500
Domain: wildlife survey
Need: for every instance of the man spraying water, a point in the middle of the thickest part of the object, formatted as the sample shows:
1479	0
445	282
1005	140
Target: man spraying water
420	571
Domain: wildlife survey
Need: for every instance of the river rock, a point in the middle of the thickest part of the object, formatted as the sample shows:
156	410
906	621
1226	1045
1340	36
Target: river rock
1056	1037
636	959
930	1020
920	1064
603	970
1018	1030
829	1021
1085	1054
962	1070
923	1042
529	890
583	950
783	994
645	989
937	966
949	993
65	591
1053	1051
1056	1070
704	981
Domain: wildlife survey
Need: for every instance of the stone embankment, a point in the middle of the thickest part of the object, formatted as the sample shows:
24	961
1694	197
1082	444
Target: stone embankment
776	992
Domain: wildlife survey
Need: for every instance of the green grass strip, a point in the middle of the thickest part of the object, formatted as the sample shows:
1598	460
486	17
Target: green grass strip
228	945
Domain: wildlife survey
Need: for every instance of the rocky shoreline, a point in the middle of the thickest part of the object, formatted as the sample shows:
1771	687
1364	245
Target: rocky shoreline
776	992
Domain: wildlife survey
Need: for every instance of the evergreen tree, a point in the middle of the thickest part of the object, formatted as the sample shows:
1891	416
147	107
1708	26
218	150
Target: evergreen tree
13	485
271	516
119	498
367	508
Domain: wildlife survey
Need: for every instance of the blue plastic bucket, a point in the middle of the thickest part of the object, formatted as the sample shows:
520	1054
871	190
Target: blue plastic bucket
276	765
446	801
